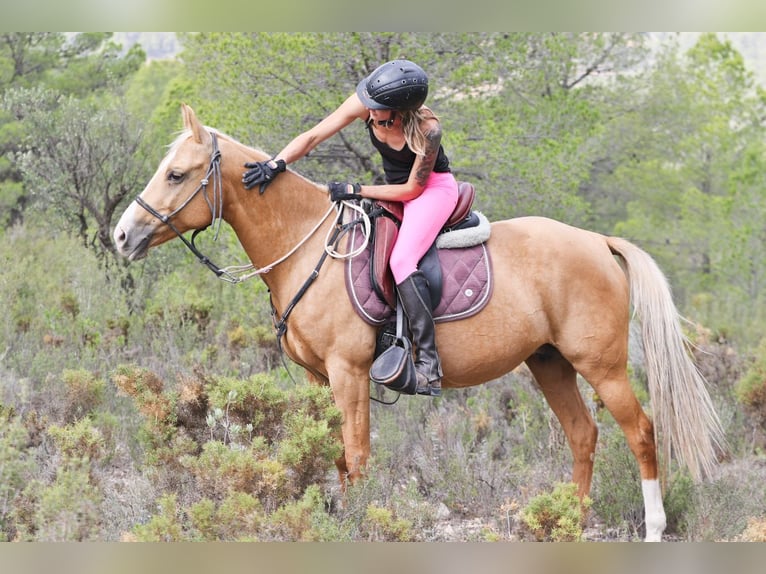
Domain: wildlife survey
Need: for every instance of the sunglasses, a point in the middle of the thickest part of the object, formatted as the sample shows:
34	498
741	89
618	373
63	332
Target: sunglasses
386	123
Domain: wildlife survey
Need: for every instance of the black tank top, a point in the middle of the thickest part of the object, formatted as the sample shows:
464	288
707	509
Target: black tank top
397	164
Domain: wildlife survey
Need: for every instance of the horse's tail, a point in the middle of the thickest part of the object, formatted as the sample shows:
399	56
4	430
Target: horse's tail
685	421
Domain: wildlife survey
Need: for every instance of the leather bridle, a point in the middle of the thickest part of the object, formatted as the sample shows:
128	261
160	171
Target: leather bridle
216	210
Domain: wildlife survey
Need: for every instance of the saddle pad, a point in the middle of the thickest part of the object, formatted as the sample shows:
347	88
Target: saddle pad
466	275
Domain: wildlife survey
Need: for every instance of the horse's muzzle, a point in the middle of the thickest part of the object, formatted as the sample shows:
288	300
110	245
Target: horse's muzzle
132	249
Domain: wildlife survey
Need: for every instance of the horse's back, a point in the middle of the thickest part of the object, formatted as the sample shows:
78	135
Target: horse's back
565	275
546	249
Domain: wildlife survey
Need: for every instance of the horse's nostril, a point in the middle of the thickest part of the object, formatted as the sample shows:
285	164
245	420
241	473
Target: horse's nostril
119	236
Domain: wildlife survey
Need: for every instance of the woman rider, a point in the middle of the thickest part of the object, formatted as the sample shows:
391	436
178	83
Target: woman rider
408	136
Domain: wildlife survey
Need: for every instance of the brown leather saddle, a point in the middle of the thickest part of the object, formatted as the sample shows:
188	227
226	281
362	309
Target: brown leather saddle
386	230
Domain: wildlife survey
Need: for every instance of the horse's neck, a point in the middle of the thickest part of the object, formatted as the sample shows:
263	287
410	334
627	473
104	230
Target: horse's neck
272	223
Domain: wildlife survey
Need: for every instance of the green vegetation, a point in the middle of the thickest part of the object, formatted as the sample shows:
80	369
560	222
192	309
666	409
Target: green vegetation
148	401
556	516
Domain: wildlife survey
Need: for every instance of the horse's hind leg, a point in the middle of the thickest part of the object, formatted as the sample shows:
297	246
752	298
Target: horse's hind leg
614	390
558	381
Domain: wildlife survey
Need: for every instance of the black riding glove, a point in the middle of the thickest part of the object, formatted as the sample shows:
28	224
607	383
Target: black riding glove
339	191
261	172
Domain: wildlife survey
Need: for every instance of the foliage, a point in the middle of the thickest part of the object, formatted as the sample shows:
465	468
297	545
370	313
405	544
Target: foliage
143	402
755	531
616	494
67	510
556	516
214	438
384	526
695	197
80	441
81	66
489	90
751	388
17	467
82	161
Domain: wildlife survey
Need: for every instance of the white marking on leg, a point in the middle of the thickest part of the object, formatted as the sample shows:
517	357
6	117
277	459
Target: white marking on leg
654	512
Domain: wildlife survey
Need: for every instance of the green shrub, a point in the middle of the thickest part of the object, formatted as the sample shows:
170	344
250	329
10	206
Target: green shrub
556	516
309	448
750	390
162	527
256	401
84	393
220	469
383	526
304	520
17	467
678	502
239	517
80	440
67	510
616	492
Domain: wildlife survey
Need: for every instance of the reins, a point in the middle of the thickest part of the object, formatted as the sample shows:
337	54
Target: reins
239	273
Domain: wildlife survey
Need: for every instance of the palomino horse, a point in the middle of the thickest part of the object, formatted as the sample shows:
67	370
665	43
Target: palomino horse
561	304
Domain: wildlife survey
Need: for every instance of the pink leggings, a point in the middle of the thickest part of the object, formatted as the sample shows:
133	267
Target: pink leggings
423	218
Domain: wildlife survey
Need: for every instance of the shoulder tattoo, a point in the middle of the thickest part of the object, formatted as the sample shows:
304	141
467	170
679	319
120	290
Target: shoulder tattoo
433	141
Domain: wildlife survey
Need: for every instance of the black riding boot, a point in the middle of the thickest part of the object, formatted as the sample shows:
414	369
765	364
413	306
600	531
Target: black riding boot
416	301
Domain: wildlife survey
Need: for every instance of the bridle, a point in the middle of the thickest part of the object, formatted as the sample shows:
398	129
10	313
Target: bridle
239	273
216	209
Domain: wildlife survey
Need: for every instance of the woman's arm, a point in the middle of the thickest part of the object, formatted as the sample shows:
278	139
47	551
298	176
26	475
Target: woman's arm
303	143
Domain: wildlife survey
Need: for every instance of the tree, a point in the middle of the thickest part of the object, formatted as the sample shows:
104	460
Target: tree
81	65
520	111
81	160
693	165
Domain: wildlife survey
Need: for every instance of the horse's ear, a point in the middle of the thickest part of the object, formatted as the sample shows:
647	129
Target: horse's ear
191	122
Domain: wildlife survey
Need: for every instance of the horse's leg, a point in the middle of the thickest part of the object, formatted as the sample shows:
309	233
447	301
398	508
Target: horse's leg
340	462
558	381
351	392
614	390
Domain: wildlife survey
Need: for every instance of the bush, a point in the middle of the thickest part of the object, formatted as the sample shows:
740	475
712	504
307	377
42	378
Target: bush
17	468
616	492
216	440
556	516
84	393
67	510
755	531
384	526
78	441
220	469
750	390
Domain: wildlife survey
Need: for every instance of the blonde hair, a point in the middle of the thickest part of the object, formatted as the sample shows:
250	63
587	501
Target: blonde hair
412	127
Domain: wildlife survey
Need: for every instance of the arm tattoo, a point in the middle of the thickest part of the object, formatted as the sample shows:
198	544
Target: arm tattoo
433	140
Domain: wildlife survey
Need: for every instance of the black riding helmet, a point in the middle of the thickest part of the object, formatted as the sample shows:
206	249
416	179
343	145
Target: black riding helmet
395	85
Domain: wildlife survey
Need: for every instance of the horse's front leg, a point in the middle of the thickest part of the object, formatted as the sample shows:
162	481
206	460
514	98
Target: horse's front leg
351	392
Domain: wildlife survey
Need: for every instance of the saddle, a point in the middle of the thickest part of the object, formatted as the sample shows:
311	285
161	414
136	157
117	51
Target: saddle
384	234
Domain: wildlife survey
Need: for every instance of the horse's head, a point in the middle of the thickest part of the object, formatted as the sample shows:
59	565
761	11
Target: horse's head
185	193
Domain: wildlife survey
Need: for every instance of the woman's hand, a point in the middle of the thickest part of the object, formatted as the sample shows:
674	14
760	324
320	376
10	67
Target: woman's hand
262	172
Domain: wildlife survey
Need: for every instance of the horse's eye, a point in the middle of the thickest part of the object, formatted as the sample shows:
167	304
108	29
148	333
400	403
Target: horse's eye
175	177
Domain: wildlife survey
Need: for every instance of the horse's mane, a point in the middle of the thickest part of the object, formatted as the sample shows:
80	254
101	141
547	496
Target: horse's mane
184	134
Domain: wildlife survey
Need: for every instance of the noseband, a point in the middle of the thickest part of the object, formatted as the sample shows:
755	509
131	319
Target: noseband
216	210
237	274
